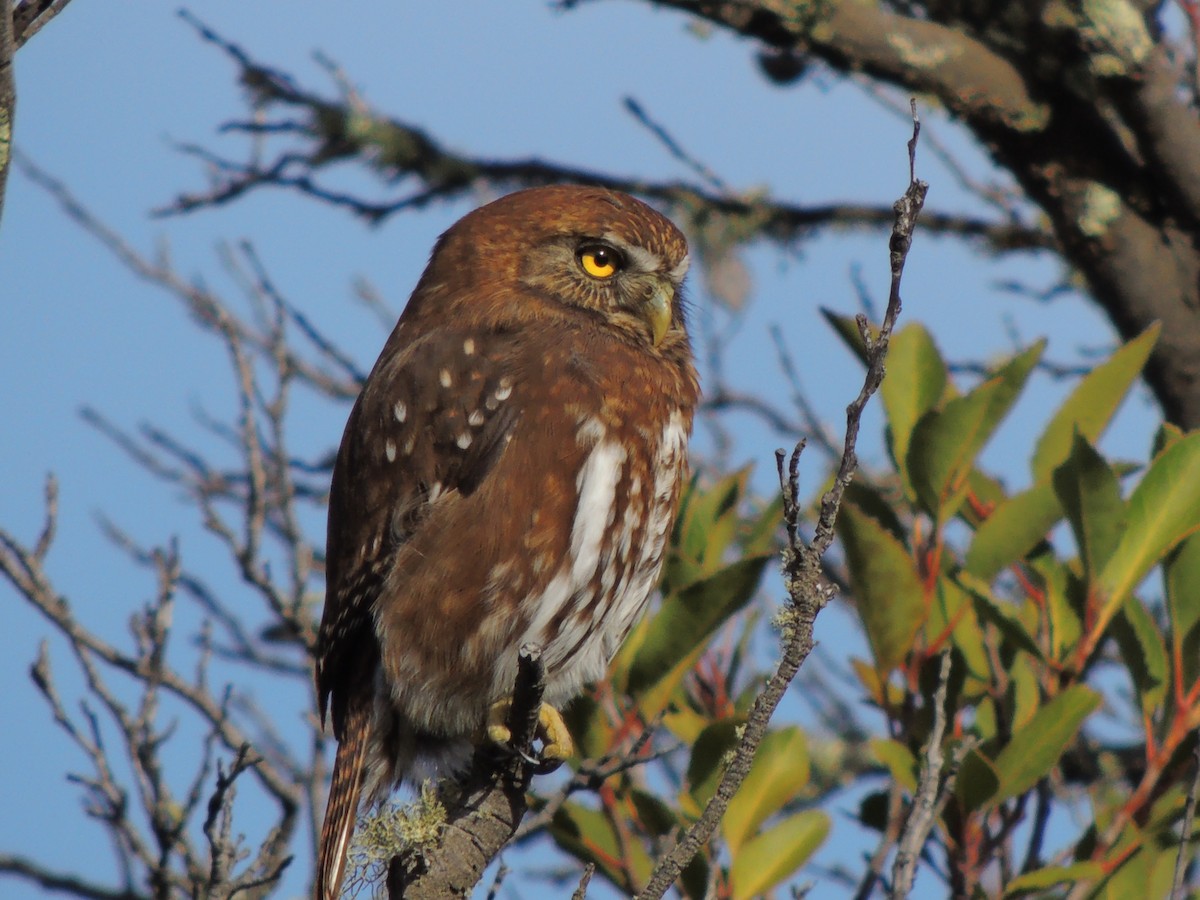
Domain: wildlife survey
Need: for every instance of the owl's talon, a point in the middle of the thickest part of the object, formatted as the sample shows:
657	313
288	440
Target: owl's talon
551	730
557	744
497	723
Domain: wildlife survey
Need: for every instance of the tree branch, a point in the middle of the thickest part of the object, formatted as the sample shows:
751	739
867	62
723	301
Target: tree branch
807	595
32	16
334	131
483	808
932	791
8	94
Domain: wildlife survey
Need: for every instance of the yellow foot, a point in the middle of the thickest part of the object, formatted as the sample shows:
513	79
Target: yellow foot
551	730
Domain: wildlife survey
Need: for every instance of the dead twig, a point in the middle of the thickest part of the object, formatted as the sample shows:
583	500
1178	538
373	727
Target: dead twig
807	593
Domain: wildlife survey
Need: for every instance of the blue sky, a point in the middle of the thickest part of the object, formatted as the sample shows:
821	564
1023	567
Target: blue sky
108	88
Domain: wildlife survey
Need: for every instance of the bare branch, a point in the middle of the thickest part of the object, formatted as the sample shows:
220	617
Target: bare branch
1185	835
483	808
584	880
674	147
924	805
31	16
47	879
8	95
336	130
807	595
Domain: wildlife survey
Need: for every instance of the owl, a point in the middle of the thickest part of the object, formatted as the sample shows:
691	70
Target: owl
509	473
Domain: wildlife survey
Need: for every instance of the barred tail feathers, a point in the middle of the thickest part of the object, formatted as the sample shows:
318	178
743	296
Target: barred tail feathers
341	812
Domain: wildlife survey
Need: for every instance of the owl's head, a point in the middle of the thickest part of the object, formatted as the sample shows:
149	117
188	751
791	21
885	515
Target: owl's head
591	255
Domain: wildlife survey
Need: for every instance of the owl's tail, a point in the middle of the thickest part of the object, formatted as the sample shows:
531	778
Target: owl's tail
342	808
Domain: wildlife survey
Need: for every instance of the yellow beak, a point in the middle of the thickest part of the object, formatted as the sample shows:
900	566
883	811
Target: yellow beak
658	309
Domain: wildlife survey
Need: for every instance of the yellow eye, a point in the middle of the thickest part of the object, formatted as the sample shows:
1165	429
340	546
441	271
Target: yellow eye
599	262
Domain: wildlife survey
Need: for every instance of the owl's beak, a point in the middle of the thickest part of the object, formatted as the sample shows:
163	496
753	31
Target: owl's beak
658	308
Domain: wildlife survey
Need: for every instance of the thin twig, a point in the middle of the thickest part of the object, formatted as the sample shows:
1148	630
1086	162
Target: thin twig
429	173
921	818
581	891
1185	836
807	594
674	147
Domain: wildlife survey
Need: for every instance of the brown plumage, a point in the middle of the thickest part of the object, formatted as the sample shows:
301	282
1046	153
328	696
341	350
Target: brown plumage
509	473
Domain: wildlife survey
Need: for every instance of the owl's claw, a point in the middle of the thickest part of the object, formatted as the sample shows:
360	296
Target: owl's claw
557	744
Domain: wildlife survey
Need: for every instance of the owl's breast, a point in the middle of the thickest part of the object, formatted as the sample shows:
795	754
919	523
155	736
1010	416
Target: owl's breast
627	492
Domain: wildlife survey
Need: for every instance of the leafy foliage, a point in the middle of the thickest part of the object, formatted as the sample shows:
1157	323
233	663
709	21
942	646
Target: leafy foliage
1040	596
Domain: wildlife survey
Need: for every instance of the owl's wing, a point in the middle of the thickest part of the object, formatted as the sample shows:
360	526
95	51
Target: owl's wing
432	420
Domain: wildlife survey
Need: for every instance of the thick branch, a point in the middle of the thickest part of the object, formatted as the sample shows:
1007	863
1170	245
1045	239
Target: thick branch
32	16
1085	109
915	54
483	809
8	95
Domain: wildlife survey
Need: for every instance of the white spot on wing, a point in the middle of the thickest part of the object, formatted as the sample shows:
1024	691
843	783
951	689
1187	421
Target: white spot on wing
475	419
400	410
390	449
463	440
504	389
445	378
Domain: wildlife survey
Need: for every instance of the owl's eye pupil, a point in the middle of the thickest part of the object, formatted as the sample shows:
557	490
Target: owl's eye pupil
599	261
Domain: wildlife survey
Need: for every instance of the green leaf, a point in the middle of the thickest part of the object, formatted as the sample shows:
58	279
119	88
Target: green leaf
889	593
1092	403
953	612
1091	498
1041	879
915	383
899	760
1147	873
989	609
1163	510
1062	598
708	758
1182	573
1035	749
871	500
1144	653
588	726
873	811
977	781
678	634
760	532
705	528
945	444
778	773
1012	530
775	855
588	836
657	818
1024	696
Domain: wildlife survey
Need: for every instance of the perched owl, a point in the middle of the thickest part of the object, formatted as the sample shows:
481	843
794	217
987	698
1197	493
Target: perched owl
509	474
